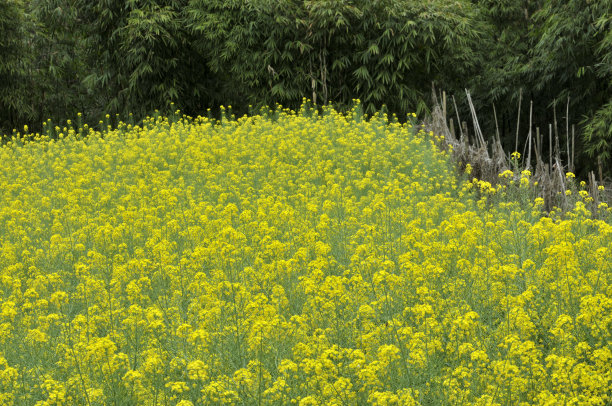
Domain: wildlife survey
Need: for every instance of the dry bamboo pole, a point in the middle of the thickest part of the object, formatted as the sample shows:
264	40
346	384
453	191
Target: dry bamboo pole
567	142
530	124
518	120
473	121
496	124
550	148
442	97
477	129
557	149
434	96
458	118
573	150
600	169
500	148
561	180
538	147
594	190
444	106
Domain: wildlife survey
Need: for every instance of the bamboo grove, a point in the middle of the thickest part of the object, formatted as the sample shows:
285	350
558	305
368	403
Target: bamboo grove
63	57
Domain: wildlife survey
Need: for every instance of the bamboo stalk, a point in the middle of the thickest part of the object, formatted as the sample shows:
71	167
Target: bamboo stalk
600	169
557	151
561	180
550	148
444	105
538	147
530	124
594	190
496	124
477	129
518	120
567	142
573	150
500	148
458	118
434	95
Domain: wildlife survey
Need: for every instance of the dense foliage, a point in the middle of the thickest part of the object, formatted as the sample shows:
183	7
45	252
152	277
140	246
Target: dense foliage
141	56
572	58
13	103
290	259
60	57
383	52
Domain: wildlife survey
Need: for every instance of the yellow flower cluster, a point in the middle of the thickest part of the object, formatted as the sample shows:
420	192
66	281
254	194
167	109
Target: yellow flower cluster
288	258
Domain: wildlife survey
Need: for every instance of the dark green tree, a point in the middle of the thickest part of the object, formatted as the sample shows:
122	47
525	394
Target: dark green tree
571	59
14	107
255	49
140	56
502	56
57	68
383	52
598	127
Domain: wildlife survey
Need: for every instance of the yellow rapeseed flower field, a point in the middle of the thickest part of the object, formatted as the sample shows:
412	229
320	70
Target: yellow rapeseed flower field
289	258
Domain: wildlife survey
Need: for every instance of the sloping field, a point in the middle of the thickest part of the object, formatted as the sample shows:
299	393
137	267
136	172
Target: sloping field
292	259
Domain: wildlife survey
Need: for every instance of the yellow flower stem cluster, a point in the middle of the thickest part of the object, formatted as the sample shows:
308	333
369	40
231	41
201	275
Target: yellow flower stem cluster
288	258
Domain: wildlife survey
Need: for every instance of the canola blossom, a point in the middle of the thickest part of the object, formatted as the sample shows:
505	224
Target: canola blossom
289	258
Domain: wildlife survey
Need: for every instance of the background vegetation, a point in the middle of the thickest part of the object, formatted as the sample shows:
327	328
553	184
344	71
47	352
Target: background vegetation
62	57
